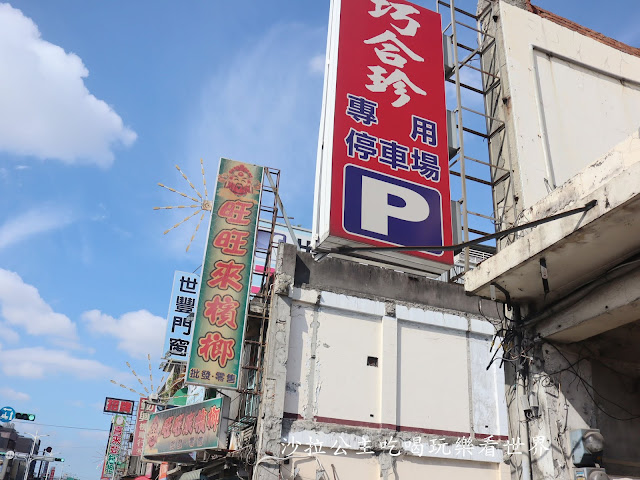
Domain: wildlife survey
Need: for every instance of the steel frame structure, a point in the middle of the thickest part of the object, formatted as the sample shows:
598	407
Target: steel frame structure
493	174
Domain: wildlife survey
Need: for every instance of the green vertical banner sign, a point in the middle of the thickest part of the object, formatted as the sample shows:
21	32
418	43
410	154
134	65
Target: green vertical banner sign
113	447
219	322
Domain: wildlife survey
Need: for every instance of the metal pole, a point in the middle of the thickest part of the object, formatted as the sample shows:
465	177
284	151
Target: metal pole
521	392
35	439
463	178
284	213
26	467
5	467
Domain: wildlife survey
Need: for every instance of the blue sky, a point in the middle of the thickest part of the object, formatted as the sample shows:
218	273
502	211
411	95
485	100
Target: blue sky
98	102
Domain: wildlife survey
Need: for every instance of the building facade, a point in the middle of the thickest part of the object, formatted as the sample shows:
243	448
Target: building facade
568	99
377	373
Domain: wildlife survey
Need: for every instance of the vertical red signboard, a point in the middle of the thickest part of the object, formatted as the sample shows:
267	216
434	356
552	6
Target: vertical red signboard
145	409
384	138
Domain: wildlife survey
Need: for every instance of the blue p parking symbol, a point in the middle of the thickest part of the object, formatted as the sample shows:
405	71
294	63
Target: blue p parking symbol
390	209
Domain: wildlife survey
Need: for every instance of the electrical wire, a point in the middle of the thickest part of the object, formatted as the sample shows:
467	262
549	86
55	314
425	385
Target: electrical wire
69	426
586	384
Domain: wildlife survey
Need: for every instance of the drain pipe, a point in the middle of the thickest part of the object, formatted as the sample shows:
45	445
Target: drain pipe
521	374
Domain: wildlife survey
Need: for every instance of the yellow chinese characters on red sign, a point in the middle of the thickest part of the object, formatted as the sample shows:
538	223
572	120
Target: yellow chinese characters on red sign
226	277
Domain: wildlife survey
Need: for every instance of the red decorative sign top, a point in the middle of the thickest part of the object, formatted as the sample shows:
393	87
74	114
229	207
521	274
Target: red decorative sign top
117	405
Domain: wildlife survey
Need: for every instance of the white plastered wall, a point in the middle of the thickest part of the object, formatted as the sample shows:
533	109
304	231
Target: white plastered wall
572	99
431	375
368	467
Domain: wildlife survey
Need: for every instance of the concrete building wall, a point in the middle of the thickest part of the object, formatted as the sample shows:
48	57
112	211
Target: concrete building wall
433	385
426	365
354	367
352	465
576	391
566	97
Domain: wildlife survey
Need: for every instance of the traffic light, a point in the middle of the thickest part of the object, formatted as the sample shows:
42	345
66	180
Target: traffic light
25	416
58	459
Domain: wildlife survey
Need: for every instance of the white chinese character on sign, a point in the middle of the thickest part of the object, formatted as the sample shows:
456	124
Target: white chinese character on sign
464	445
438	445
389	53
401	12
539	444
489	446
389	446
398	79
364	446
339	450
291	443
416	446
317	448
513	446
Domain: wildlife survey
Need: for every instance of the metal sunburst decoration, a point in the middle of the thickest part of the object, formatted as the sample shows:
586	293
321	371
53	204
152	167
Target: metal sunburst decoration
203	204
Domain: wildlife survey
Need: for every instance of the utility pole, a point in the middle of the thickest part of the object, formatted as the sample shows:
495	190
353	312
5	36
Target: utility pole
28	462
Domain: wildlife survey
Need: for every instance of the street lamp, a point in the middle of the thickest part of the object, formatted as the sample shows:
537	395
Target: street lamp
35	439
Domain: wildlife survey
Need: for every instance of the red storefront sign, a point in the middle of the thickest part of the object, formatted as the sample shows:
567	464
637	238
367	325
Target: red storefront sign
385	138
144	411
118	405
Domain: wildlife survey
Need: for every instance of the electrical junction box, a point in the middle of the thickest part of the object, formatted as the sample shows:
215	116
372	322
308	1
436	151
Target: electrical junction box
590	473
448	57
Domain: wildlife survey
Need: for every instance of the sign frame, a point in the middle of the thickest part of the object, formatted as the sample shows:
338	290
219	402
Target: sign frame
114	446
145	409
400	128
181	308
7	414
121	401
227	269
156	439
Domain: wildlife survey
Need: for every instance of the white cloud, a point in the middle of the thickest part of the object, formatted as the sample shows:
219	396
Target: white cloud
8	334
21	305
36	362
37	220
317	63
12	394
46	108
138	333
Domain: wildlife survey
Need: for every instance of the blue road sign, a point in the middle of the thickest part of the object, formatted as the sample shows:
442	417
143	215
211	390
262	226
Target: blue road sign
7	414
387	208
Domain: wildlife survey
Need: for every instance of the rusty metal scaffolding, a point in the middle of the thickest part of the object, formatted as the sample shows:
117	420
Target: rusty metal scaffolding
250	386
472	48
